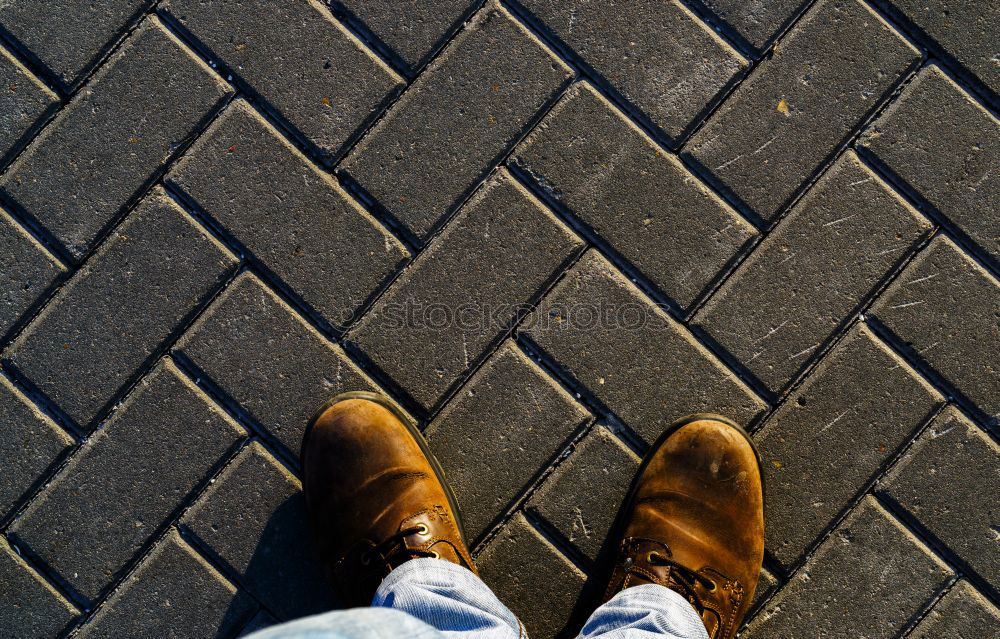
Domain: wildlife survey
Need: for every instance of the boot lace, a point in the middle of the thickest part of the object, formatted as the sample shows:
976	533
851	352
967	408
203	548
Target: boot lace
397	544
680	578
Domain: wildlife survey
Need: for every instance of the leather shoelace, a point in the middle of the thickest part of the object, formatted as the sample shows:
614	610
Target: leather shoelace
679	577
397	543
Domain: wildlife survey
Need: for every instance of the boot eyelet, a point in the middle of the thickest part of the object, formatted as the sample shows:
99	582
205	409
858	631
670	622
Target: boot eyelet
649	557
712	589
422	529
366	560
435	555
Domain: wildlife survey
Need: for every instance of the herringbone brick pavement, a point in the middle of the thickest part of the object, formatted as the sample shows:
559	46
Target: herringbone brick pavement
545	228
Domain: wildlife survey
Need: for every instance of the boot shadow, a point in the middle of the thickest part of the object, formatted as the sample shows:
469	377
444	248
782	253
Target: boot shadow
282	580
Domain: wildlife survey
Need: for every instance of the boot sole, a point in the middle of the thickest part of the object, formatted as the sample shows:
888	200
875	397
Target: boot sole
388	404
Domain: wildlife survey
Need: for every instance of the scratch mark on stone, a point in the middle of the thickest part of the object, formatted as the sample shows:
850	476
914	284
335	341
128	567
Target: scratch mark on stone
890	250
843	219
867	179
908	304
837	419
465	348
944	432
922	279
803	352
765	145
725	164
773	331
787	258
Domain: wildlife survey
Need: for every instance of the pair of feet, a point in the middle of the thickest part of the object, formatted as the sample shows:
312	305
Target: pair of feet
693	519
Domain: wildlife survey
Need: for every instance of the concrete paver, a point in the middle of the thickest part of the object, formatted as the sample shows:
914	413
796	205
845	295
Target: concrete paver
252	519
946	307
790	297
951	454
68	36
946	148
31	443
582	496
520	563
29	606
154	272
834	435
288	214
264	357
798	106
508	421
121	487
681	242
489	82
23	104
963	614
410	28
870	577
601	330
27	270
338	84
87	166
671	69
466	290
147	603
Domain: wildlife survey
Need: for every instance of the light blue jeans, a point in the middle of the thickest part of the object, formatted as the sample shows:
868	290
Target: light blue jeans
433	599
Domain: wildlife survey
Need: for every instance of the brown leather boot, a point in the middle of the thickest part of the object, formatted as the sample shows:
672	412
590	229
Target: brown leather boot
375	495
693	521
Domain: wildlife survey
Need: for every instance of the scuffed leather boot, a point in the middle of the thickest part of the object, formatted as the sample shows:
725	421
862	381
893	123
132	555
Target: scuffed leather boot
375	495
693	521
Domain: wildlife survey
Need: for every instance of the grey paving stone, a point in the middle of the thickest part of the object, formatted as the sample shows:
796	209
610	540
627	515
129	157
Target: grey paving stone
671	67
120	307
30	443
465	289
29	606
966	29
68	36
947	308
482	91
946	147
583	495
253	519
833	436
291	216
614	179
174	593
766	585
268	360
410	28
26	272
501	429
519	565
99	152
830	71
23	102
756	21
124	484
318	76
789	297
869	579
963	613
630	354
949	480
